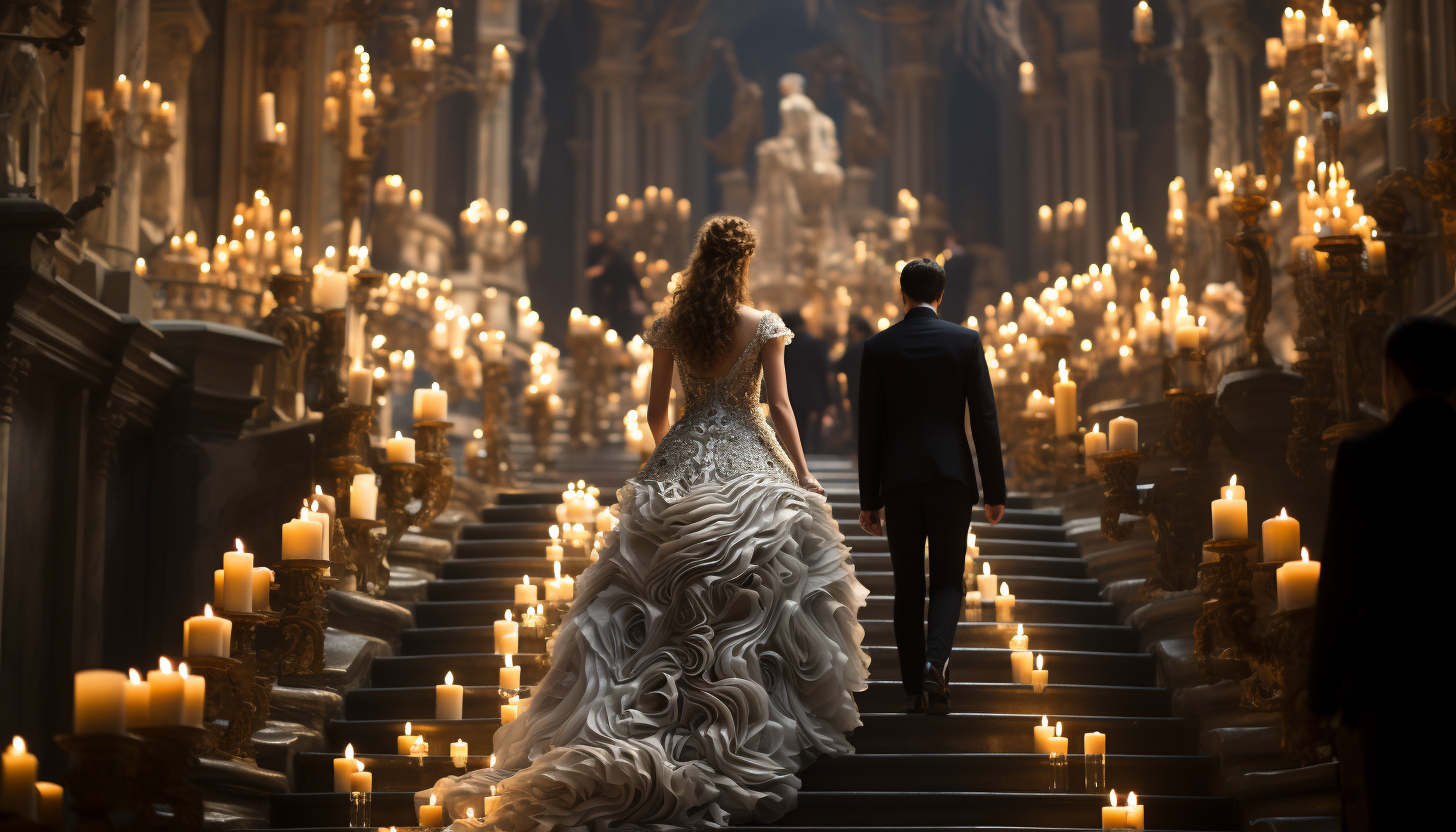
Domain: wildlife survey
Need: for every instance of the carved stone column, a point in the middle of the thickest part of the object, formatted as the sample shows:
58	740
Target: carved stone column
914	131
177	30
124	207
1232	121
103	426
1091	156
497	22
663	111
611	107
270	167
13	367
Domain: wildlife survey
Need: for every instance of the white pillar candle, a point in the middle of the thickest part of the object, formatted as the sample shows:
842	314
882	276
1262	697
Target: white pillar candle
194	695
1064	392
326	504
1040	736
459	754
431	405
1122	434
326	522
1039	676
1114	816
330	289
1021	667
1281	538
973	605
1297	582
605	520
449	699
510	710
553	549
1094	443
207	635
1021	640
1186	337
1231	516
137	695
986	583
405	741
567	588
1005	604
217	588
262	583
17	780
100	702
507	635
343	767
1057	744
1232	491
553	585
361	780
364	497
399	449
1134	812
50	805
303	538
361	385
1094	742
525	592
432	814
510	675
237	579
167	694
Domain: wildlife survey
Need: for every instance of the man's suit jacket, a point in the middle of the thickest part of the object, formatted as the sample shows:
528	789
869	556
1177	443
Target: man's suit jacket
916	381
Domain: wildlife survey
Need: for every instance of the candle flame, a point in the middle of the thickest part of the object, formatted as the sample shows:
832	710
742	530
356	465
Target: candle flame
319	489
1096	427
470	813
1019	630
1112	795
508	615
492	761
136	678
349	751
492	791
1283	514
206	610
1005	590
408	729
182	669
303	513
164	664
1043	722
17	745
1059	728
1233	480
525	580
315	505
239	542
556	567
1039	658
398	435
1131	799
554	531
1304	553
985	568
435	386
432	800
449	677
360	764
541	608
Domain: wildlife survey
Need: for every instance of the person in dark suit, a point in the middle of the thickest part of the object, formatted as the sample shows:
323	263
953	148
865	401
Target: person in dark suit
959	267
616	293
806	371
849	363
917	380
1391	495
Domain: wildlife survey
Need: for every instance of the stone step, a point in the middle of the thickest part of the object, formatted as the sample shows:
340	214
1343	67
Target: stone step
984	664
380	736
529	559
960	733
531	548
535	565
1018	500
469	669
861	544
1019	516
530	539
900	809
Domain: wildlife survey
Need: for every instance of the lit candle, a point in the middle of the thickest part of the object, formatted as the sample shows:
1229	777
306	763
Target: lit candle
1065	394
1185	337
237	579
431	405
167	694
1134	812
138	698
1057	744
400	449
1041	736
449	699
405	741
100	702
361	780
303	538
986	582
361	385
121	94
1142	22
1094	443
510	675
1231	513
208	635
1005	604
1039	675
973	605
1094	742
262	583
330	289
507	635
525	592
510	710
553	585
17	780
1114	816
553	549
1020	667
217	592
432	814
566	587
51	805
1281	538
490	802
1297	582
364	497
459	753
1375	252
605	521
1122	434
343	767
325	521
1269	99
267	116
194	694
1021	640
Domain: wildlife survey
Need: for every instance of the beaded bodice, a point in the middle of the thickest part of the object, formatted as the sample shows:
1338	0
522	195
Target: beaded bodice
722	433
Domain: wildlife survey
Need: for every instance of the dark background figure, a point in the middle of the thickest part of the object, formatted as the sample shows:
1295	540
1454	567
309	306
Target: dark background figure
613	288
806	369
960	266
1391	496
849	363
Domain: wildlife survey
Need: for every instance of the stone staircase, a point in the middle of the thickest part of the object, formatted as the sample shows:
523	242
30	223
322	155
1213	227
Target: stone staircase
971	770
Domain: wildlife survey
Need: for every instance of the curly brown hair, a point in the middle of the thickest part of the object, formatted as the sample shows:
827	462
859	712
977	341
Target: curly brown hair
705	305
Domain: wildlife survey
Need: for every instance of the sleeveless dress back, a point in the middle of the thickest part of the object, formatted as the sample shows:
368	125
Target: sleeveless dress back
709	655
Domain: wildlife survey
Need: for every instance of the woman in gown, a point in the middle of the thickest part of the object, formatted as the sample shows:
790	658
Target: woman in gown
713	650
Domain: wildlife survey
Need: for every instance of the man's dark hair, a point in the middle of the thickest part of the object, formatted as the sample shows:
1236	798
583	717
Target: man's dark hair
794	321
923	280
1423	348
857	323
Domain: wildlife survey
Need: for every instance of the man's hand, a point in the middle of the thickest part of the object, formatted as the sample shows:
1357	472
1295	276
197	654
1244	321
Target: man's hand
994	514
870	522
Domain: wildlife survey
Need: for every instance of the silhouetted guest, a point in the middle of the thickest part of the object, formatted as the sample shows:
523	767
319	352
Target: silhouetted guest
1389	530
806	371
614	290
849	363
959	267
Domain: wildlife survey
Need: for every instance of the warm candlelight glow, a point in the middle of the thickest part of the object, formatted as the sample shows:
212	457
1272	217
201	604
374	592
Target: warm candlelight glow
554	531
449	677
1039	658
1304	554
207	611
164	664
1131	799
985	568
1005	590
1112	797
136	678
17	745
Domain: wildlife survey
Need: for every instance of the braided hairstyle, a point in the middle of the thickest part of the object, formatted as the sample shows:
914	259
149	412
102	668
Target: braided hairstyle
704	310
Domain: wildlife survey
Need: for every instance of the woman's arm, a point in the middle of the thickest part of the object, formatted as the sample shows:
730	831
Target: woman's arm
661	391
776	390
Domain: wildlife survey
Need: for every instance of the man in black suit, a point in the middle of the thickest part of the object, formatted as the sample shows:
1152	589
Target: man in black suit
917	379
1391	496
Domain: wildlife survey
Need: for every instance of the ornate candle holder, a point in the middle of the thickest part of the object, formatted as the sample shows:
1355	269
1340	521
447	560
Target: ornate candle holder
540	420
1033	455
284	372
247	707
296	639
1119	474
343	448
432	450
167	756
1287	638
1186	371
102	782
398	505
495	412
328	356
1223	636
367	547
1356	325
229	684
1251	247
